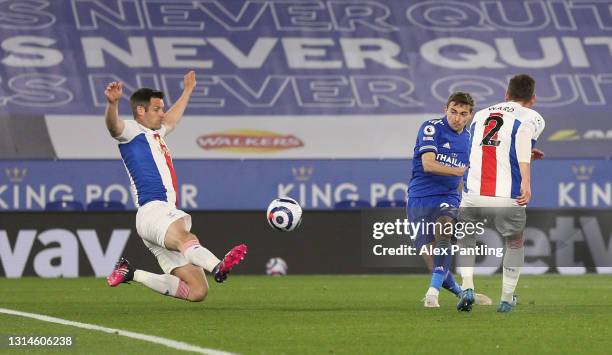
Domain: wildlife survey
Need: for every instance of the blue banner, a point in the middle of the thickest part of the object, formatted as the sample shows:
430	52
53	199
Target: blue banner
251	185
334	57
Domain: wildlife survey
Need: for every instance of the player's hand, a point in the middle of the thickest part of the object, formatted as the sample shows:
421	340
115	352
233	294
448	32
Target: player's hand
537	154
113	92
189	81
525	196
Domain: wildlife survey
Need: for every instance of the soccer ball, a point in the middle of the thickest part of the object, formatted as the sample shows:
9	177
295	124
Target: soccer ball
276	267
284	214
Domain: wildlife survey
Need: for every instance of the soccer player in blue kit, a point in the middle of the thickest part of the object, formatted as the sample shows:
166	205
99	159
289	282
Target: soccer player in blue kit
441	156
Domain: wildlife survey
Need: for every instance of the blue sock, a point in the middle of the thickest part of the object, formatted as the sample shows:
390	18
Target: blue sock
441	264
451	285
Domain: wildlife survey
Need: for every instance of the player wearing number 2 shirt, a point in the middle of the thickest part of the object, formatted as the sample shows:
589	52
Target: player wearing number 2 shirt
497	183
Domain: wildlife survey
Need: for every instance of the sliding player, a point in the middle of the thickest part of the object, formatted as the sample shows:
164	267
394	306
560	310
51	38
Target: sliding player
164	228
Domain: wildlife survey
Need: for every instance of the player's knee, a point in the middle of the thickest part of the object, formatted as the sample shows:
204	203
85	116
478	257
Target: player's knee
444	228
198	293
444	219
177	237
185	240
515	242
186	236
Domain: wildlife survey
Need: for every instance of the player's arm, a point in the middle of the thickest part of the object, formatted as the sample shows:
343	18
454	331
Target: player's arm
426	148
523	154
175	112
113	93
537	124
526	139
525	195
431	166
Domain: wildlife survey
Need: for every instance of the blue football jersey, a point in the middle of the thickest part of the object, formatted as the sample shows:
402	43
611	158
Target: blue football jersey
451	149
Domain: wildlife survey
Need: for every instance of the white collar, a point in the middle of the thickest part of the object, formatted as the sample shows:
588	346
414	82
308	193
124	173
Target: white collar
146	129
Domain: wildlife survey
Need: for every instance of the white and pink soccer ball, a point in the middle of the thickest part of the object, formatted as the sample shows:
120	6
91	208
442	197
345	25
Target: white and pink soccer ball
276	267
284	214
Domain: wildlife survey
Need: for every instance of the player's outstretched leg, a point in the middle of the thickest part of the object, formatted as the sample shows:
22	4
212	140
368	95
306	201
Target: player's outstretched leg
451	285
122	273
166	284
442	260
179	238
441	265
231	259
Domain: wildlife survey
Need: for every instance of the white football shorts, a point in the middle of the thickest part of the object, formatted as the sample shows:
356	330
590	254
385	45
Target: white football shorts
152	222
508	216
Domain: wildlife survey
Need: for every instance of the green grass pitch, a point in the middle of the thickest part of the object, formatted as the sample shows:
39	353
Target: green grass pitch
320	315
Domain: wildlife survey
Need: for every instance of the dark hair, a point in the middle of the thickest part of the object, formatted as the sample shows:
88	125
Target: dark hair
142	97
521	88
461	98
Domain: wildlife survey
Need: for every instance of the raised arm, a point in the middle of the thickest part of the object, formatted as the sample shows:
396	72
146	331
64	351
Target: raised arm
175	112
113	93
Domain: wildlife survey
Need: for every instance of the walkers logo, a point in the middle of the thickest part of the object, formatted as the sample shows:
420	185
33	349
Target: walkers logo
574	135
249	141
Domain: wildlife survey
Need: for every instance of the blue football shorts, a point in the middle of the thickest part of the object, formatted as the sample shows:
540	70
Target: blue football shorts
428	210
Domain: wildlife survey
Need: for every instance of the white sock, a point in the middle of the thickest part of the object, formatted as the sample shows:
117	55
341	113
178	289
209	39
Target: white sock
433	291
465	262
165	284
467	277
200	256
513	262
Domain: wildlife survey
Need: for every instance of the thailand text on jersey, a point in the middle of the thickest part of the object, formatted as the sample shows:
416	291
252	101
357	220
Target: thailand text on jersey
148	163
494	168
451	149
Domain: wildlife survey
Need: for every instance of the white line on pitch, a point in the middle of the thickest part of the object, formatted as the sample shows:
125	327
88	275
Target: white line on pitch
150	338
